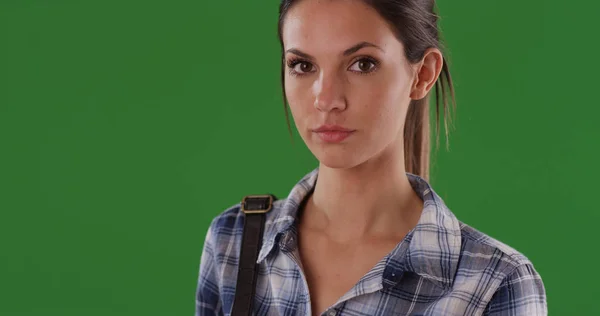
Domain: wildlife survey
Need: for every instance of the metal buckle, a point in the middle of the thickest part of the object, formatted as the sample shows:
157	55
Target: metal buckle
266	200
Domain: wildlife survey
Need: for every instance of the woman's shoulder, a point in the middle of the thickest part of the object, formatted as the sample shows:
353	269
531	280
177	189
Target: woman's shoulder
230	221
228	218
504	276
477	244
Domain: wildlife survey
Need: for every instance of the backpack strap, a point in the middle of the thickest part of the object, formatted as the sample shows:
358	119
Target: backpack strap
255	208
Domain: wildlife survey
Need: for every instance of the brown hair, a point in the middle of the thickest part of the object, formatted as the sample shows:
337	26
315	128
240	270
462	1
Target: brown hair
414	23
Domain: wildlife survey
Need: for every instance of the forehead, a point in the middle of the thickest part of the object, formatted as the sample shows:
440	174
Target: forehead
334	24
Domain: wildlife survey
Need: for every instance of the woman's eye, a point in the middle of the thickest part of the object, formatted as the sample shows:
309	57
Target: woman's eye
363	65
302	67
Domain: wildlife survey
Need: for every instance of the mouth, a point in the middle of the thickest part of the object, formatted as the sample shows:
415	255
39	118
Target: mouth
334	136
332	128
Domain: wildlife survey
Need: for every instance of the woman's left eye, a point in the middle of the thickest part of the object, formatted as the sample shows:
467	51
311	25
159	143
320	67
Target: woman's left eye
363	65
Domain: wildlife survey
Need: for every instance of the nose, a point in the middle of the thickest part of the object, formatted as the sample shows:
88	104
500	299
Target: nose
329	93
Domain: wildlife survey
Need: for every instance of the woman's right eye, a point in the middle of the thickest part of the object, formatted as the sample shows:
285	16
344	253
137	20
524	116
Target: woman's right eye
300	66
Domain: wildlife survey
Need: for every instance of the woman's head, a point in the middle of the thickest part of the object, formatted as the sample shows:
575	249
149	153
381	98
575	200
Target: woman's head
366	65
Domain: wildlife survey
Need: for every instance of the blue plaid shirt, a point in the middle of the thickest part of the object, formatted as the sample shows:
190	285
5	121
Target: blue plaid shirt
441	267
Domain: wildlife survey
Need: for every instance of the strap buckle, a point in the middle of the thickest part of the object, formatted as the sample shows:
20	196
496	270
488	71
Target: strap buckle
257	204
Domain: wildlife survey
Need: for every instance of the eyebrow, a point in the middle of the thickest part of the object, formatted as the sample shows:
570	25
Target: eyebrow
347	52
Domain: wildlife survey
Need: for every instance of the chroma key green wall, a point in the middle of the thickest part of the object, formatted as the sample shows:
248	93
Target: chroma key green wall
126	126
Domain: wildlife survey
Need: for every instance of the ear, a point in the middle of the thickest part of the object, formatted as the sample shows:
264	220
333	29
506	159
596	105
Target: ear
427	73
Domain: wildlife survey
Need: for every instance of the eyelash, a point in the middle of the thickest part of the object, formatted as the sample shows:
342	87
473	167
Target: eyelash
295	61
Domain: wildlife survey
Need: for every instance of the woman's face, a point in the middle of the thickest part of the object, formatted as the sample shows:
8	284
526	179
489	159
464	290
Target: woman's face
331	78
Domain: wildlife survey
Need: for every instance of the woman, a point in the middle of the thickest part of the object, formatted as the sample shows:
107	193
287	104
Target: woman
364	233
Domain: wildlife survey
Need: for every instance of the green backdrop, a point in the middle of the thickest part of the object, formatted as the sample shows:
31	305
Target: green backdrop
126	126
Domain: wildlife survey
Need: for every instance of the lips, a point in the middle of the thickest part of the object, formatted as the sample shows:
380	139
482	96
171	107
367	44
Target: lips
334	136
332	128
333	133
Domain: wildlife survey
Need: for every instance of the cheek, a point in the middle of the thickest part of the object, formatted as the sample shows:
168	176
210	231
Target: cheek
298	97
382	113
382	101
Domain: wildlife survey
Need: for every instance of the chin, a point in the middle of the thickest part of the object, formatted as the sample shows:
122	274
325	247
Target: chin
336	158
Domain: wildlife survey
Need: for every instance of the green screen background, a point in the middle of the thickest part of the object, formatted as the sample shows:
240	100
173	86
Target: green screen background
126	126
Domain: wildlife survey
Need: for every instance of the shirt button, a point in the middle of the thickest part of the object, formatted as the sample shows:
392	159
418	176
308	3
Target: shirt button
332	312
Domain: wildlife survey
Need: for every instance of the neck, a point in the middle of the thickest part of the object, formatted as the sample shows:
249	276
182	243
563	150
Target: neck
371	200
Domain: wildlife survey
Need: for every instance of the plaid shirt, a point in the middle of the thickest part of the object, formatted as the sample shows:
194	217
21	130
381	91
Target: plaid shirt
441	267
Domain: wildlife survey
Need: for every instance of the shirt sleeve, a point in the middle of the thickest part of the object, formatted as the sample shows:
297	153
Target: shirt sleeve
208	302
521	293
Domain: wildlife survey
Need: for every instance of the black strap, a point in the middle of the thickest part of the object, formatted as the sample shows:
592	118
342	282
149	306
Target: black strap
255	208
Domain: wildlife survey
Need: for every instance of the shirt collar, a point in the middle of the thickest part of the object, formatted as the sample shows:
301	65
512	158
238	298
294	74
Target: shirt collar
283	214
431	249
